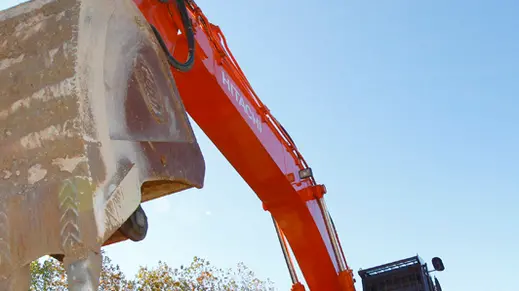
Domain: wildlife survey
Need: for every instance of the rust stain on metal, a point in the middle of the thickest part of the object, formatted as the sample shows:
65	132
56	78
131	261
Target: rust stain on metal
163	160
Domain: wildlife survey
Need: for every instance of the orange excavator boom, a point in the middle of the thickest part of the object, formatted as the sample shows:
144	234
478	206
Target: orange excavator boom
220	99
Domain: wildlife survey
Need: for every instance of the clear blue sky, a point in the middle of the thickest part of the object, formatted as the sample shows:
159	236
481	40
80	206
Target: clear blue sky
408	111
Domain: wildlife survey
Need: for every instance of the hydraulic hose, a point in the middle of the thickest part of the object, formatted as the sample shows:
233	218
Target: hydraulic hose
188	27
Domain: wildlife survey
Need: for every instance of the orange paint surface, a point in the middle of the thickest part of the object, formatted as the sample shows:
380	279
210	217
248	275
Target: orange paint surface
218	97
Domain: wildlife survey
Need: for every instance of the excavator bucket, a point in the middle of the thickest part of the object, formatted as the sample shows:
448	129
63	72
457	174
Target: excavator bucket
91	125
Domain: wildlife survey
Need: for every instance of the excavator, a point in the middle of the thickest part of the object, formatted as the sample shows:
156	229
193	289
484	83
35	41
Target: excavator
95	100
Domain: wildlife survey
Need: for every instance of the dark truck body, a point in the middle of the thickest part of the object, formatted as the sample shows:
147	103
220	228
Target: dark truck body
409	274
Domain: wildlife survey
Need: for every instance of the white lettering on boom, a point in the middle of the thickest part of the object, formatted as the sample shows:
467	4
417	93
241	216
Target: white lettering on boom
243	103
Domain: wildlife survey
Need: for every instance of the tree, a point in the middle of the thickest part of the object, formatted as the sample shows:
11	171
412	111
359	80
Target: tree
200	275
48	274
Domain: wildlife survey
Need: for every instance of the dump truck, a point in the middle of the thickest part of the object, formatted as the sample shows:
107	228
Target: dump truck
94	103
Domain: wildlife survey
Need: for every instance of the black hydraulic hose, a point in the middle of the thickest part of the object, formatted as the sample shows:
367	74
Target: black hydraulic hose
186	22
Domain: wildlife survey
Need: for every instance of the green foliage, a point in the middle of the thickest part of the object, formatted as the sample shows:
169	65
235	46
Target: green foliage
112	278
200	275
48	274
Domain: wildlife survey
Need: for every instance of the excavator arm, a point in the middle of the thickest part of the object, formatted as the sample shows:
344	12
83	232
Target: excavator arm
219	98
92	125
